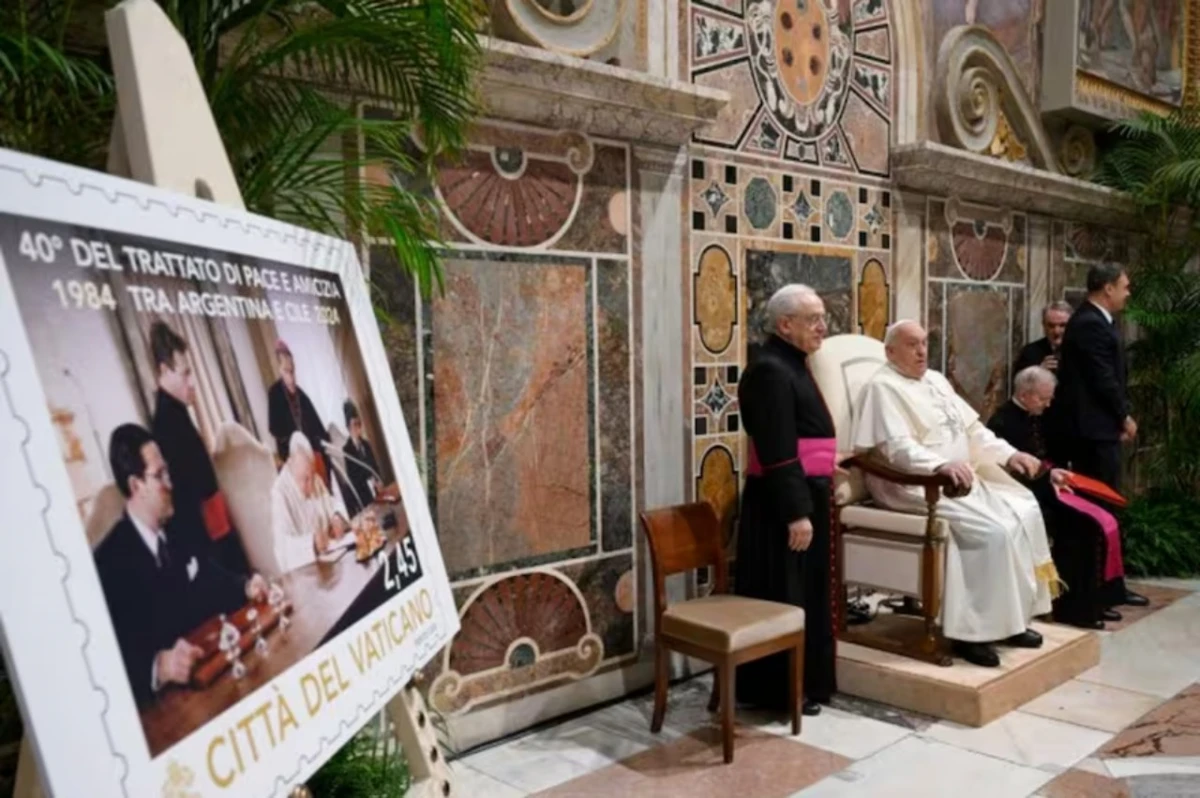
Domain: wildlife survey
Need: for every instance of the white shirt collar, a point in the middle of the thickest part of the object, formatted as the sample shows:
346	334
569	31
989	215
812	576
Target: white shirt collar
1018	403
148	536
1107	315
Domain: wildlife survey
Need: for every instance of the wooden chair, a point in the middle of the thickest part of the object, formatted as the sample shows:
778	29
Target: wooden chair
722	629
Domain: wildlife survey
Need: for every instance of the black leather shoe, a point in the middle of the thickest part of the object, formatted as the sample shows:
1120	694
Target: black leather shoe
980	654
1135	599
1111	615
1079	623
1026	639
810	708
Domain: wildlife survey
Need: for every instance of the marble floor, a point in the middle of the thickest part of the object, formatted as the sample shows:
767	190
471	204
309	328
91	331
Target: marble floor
1128	727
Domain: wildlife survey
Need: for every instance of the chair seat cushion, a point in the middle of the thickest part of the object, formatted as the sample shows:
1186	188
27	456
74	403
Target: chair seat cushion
730	623
860	517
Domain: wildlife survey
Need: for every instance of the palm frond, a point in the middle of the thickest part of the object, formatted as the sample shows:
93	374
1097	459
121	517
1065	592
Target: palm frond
1156	160
285	80
53	102
284	97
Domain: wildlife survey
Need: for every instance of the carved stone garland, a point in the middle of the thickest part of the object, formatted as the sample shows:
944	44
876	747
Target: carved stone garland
981	104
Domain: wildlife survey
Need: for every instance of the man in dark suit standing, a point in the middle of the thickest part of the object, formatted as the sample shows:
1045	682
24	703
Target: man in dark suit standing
1092	379
194	488
1093	395
158	583
1044	351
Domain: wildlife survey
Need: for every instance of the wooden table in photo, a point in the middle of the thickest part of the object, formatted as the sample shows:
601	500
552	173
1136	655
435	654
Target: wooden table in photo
321	593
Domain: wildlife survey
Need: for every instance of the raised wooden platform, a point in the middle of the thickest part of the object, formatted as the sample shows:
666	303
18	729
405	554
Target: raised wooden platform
966	693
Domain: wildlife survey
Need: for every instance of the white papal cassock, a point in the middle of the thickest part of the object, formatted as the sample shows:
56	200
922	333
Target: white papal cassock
998	568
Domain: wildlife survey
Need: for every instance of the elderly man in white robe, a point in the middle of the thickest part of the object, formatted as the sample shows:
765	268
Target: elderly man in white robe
999	573
306	518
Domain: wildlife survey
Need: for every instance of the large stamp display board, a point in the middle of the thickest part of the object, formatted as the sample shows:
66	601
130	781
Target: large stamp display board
219	560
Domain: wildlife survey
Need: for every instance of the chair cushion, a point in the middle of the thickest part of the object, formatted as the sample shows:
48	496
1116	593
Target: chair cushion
730	623
858	516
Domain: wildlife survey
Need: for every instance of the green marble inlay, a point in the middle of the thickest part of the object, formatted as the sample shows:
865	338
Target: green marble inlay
760	203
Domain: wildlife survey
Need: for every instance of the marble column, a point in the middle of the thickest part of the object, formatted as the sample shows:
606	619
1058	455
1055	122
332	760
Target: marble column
659	181
1039	275
908	258
662	38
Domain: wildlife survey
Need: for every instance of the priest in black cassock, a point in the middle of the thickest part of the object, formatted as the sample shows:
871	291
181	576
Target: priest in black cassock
289	409
1086	538
783	548
193	477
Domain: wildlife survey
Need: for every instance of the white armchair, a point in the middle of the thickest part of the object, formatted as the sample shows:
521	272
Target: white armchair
875	548
107	508
245	473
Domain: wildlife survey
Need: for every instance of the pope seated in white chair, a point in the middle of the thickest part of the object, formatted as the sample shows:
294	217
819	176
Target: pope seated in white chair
999	573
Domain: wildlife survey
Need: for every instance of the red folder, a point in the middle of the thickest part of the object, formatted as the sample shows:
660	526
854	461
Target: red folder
1096	489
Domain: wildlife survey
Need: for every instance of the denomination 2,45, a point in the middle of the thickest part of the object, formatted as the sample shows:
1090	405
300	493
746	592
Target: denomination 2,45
408	567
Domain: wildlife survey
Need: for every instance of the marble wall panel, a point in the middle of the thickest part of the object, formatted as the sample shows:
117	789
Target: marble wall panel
830	273
510	351
718	483
396	298
977	267
1075	248
971	242
521	187
874	218
833	234
979	330
874	310
714	393
601	222
935	323
615	380
608	587
811	82
714	300
518	383
532	630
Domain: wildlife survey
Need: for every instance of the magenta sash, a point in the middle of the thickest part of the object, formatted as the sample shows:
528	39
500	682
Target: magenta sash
1114	566
817	456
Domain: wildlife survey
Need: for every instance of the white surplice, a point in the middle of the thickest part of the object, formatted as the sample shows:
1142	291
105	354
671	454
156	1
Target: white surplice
296	519
998	569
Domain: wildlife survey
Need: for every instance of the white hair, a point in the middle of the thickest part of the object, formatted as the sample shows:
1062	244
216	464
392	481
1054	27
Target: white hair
1030	378
1060	305
785	301
889	337
298	444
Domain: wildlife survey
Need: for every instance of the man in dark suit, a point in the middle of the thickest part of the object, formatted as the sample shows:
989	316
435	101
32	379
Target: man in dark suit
362	470
158	583
1092	392
1044	351
1092	379
194	487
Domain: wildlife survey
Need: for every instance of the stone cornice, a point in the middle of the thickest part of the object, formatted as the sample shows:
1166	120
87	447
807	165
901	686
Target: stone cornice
539	87
932	168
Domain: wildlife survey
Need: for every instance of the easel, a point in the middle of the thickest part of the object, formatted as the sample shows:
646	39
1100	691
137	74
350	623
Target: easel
164	135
